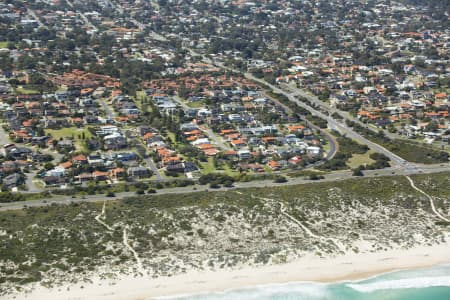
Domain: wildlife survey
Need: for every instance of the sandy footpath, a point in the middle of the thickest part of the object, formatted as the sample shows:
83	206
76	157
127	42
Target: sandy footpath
345	267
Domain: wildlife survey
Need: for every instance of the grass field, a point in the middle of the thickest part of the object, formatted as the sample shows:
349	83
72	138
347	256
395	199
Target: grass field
25	91
410	151
197	104
326	148
71	132
3	44
208	167
140	95
360	159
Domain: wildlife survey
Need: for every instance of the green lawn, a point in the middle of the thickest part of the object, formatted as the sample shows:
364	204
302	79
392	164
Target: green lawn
196	104
70	132
140	95
208	167
326	148
25	91
360	159
229	171
410	151
171	136
3	44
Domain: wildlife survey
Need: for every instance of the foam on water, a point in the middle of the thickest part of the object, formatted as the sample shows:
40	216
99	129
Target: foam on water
419	282
424	284
308	290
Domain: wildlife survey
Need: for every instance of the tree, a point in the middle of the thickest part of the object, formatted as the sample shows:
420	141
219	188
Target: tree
357	172
48	166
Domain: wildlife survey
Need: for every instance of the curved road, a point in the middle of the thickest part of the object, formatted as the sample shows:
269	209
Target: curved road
334	145
344	129
341	127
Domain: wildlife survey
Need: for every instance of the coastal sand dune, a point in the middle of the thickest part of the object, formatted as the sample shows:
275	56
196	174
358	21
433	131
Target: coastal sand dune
147	247
308	268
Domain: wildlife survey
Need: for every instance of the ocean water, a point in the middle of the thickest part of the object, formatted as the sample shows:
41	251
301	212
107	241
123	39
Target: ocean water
423	284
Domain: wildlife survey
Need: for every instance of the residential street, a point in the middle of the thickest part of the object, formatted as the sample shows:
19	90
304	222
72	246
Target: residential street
151	164
341	127
30	183
211	135
109	112
4	139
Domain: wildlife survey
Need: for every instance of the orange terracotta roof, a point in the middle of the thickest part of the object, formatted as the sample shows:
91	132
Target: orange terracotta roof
27	123
273	163
238	142
192	132
79	157
233	136
394	118
293	128
163	152
268	138
171	159
227	131
405	116
122	119
99	174
364	113
66	165
211	151
116	171
148	135
205	146
86	91
230	152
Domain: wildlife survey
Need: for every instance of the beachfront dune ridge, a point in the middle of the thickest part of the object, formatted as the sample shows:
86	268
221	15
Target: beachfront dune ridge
158	236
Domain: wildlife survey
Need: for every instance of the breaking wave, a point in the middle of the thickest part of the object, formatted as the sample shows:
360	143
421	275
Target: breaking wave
288	291
406	283
421	284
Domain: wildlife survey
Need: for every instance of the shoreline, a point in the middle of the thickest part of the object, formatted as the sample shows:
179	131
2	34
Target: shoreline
348	267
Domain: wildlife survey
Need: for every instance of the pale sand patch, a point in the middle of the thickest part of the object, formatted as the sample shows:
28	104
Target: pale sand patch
309	268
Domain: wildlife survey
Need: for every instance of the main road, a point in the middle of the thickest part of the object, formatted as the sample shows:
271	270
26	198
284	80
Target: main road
333	123
334	146
346	115
332	177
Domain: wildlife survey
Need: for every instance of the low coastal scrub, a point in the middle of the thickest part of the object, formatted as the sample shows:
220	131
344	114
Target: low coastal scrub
409	151
14	197
173	233
347	148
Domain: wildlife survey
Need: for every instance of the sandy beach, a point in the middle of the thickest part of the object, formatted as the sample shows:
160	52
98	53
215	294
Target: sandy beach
308	268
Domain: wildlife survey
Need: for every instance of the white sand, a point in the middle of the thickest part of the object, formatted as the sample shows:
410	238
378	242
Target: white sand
349	266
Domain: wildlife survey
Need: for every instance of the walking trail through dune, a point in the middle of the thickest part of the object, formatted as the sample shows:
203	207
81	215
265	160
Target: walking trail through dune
136	256
283	209
429	197
102	215
125	238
